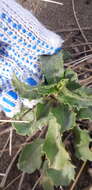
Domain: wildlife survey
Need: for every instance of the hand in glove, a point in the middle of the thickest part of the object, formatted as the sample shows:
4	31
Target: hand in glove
22	39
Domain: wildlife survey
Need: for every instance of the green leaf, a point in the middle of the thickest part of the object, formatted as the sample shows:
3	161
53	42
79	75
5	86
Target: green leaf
85	113
62	177
42	117
37	117
75	95
52	67
71	75
47	183
22	128
50	146
82	141
22	88
72	86
66	55
37	92
73	99
30	157
84	91
60	169
28	115
38	125
42	109
61	159
65	117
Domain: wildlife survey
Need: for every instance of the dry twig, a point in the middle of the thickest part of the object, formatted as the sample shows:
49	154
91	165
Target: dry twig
50	1
86	81
10	143
5	131
75	16
78	176
15	179
2	184
78	61
73	29
37	182
13	121
78	45
3	150
21	181
1	174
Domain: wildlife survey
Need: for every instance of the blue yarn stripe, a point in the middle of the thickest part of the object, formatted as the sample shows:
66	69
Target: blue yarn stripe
12	94
8	102
31	81
5	109
57	50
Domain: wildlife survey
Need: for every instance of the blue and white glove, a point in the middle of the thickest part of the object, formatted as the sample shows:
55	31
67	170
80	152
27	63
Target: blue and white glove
22	39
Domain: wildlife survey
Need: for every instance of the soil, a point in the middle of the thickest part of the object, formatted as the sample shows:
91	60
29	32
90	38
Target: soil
60	19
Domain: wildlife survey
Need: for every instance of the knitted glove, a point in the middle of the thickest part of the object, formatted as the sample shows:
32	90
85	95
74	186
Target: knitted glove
22	39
